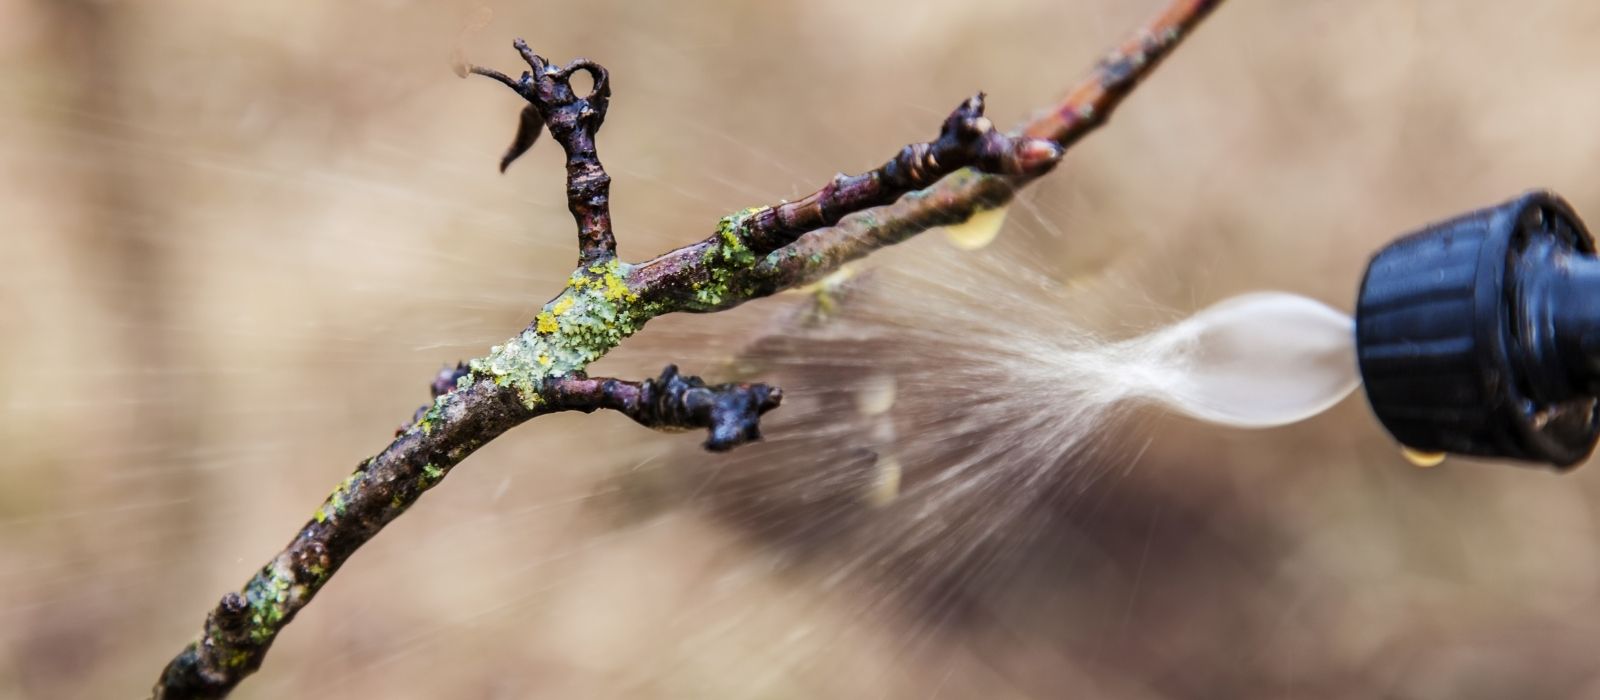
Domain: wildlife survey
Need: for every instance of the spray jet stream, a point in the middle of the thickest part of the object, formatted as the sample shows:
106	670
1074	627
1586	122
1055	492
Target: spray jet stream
1475	336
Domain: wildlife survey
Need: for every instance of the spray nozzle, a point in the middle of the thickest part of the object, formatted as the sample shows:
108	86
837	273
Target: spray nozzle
1481	335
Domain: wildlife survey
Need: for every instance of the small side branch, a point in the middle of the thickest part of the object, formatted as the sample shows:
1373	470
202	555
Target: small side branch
967	139
573	121
731	412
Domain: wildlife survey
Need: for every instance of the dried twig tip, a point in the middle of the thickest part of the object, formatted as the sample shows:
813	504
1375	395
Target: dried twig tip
731	412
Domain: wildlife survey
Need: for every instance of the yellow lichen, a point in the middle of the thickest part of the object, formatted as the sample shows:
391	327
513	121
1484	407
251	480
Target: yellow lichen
546	322
617	289
609	278
596	311
724	259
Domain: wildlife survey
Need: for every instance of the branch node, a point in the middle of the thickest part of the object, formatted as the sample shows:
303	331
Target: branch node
731	412
231	613
966	139
311	562
448	377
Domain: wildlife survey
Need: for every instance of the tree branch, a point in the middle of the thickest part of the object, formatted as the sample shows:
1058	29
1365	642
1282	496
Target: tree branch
573	121
752	254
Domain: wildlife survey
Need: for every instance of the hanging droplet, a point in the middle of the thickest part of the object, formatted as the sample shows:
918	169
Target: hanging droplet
1421	459
875	395
885	486
978	230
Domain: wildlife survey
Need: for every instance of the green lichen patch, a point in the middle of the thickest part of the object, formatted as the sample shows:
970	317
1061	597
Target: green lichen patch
724	259
596	311
591	316
430	475
268	596
234	658
318	572
338	500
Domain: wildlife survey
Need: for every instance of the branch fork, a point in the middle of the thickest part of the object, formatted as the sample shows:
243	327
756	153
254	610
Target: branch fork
754	253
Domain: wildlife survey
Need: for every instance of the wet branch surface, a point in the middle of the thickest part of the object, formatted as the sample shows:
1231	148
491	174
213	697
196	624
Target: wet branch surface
970	166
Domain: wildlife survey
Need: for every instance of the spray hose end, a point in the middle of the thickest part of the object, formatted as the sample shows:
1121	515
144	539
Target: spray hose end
1480	335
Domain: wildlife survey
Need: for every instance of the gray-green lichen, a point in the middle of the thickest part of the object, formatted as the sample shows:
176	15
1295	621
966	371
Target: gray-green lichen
430	475
723	259
268	595
589	318
595	313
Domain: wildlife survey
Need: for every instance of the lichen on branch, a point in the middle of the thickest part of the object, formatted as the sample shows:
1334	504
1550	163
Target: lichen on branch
750	254
591	316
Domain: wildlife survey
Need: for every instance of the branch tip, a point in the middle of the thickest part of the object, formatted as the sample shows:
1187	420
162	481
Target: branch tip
572	121
966	139
730	412
507	80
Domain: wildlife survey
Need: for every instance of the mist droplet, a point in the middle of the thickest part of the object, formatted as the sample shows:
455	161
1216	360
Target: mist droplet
885	486
1421	459
875	395
978	230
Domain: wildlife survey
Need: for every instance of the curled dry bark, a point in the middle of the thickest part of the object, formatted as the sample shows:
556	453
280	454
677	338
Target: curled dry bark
970	166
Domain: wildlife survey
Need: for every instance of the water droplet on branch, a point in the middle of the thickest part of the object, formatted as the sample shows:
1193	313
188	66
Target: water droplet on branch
1421	459
977	231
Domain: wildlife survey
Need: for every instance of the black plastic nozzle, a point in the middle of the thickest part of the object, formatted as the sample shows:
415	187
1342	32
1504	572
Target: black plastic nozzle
1481	335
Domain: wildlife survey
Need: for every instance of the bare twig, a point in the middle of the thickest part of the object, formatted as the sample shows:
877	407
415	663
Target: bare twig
752	254
573	121
730	412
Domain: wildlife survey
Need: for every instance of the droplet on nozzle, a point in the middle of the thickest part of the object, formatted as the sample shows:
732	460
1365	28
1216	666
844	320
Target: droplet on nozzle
1420	458
978	230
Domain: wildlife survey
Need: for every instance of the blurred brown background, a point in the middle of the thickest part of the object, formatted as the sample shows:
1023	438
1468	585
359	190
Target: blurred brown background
241	237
